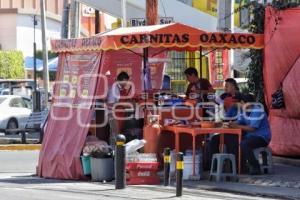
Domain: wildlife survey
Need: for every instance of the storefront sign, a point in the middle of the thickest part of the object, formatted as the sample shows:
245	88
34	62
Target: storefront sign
76	43
219	70
154	38
142	21
224	38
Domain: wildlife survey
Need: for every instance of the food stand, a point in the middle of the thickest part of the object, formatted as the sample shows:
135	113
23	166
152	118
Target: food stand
87	67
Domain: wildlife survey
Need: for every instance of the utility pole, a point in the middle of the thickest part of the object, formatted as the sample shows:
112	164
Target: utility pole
123	8
75	19
226	24
45	50
65	20
36	100
151	12
34	54
97	21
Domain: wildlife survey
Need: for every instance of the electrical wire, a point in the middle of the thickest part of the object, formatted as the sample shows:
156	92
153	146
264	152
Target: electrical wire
162	3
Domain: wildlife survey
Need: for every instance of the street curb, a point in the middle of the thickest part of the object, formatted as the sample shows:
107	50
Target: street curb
287	161
20	147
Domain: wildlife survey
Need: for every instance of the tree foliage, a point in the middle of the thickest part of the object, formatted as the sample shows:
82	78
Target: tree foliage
11	65
255	69
39	54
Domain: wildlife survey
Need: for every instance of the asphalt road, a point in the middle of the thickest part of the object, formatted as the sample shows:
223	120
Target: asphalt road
17	182
18	161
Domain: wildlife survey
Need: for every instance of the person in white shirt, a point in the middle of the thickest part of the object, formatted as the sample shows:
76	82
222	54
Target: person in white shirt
120	92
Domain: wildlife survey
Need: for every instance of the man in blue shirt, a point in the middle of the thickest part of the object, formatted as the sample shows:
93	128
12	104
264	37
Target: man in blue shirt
256	130
232	110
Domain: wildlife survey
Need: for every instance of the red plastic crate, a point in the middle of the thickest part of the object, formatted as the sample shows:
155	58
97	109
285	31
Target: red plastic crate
143	181
142	165
142	173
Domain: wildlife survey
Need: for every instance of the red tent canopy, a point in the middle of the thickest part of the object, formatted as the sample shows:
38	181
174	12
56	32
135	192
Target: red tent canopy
173	36
84	61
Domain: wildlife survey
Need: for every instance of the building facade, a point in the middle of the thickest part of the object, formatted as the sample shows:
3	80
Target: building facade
17	27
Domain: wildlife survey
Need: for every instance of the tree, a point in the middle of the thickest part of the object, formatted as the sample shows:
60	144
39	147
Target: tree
11	65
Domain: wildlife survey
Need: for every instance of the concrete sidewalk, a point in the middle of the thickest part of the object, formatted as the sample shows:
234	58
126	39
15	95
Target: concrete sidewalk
283	184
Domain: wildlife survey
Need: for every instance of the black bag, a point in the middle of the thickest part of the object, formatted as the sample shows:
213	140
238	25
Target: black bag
277	99
277	96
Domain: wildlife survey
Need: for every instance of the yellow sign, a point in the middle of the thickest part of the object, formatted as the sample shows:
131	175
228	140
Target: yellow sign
74	79
66	78
73	93
211	7
63	92
85	93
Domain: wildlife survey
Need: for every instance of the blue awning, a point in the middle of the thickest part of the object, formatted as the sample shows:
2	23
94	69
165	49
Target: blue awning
52	64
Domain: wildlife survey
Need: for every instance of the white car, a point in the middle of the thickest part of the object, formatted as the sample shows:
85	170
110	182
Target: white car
14	111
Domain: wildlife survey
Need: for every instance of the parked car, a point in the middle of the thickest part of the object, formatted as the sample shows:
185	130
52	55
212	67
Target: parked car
4	91
14	112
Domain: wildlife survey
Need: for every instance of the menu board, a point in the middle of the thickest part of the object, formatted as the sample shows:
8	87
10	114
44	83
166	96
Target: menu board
77	79
114	62
219	68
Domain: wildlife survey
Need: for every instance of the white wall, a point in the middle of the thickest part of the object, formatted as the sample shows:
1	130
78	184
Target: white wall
25	36
8	31
170	8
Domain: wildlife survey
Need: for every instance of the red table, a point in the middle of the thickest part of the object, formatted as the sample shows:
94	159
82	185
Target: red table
194	131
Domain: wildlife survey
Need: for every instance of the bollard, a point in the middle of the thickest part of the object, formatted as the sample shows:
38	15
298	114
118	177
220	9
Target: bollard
167	160
23	137
120	161
179	174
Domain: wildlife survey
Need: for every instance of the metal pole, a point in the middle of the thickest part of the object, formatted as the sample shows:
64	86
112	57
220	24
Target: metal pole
97	22
65	20
45	50
34	53
201	64
74	14
179	174
145	54
123	8
120	162
167	160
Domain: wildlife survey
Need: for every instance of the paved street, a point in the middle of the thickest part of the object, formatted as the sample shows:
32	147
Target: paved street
17	182
24	187
18	161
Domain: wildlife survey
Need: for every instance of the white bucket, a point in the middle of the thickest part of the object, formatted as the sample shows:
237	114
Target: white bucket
188	166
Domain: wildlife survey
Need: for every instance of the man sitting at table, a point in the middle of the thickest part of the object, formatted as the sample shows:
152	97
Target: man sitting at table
256	131
197	86
230	98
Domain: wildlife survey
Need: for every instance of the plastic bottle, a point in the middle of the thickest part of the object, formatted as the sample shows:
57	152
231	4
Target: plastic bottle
134	145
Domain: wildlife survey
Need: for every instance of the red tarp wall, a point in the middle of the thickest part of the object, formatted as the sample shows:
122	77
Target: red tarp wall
80	80
114	62
282	50
69	116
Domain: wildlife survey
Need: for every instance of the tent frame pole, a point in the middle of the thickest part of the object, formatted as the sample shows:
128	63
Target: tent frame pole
145	63
145	55
200	61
